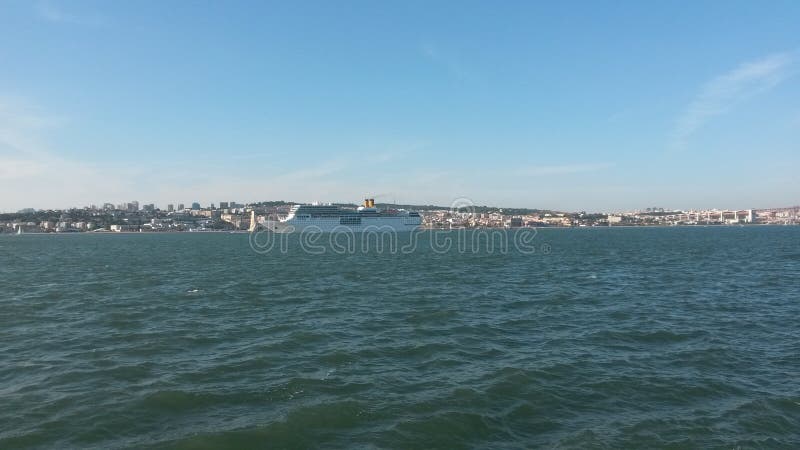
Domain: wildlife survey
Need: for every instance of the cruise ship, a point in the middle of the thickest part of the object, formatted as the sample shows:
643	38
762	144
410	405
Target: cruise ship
332	218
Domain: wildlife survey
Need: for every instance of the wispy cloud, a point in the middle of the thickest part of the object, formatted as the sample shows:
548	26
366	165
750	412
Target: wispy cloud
31	174
795	121
21	125
566	169
380	153
723	92
449	61
322	170
19	169
52	13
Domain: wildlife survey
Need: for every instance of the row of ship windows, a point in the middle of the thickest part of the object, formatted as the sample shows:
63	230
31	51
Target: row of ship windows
315	217
349	220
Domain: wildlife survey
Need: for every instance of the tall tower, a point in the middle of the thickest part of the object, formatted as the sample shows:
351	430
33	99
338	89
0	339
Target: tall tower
252	220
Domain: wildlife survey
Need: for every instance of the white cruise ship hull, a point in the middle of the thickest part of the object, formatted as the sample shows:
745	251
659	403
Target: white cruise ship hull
334	225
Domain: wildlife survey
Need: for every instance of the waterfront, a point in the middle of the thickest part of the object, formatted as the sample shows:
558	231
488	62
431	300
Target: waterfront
635	337
129	218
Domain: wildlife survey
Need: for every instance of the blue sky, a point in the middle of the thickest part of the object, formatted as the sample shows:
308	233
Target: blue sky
574	106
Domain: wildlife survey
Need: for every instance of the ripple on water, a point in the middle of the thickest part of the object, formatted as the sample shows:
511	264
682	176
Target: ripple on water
302	427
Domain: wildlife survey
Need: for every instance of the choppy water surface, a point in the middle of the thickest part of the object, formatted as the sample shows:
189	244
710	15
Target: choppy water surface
679	337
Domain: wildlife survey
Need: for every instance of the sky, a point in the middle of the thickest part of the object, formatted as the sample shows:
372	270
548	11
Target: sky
595	106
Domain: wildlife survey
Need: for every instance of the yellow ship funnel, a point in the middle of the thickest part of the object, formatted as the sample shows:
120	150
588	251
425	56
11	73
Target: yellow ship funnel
366	203
372	203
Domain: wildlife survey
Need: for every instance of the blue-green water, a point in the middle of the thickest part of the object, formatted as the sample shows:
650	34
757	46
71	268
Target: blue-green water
639	338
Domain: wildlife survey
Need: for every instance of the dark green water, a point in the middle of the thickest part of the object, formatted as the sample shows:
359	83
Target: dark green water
637	338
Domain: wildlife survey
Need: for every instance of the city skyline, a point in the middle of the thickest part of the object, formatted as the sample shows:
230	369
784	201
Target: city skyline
458	204
594	108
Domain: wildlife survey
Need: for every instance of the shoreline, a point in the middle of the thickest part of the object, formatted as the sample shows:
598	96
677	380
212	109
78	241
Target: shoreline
421	229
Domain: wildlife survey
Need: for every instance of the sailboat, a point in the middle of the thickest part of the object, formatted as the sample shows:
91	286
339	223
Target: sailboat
19	229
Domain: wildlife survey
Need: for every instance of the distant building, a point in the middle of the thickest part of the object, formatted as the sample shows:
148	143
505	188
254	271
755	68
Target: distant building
121	228
149	207
223	205
195	206
170	208
239	221
181	207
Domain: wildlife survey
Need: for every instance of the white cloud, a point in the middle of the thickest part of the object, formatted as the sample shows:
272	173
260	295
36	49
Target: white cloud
566	169
723	92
